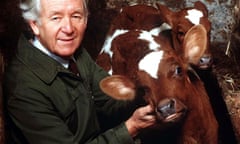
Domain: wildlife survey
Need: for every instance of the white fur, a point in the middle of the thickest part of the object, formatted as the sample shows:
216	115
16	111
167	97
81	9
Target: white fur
150	63
194	16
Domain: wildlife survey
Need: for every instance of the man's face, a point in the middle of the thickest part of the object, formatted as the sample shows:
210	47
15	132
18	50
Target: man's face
61	26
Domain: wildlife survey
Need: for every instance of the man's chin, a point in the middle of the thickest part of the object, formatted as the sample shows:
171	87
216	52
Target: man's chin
66	52
65	55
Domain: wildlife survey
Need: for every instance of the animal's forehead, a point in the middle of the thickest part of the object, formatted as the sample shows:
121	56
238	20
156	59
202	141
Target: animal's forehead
194	16
150	63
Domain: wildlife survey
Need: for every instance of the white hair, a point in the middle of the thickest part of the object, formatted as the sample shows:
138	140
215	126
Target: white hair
31	9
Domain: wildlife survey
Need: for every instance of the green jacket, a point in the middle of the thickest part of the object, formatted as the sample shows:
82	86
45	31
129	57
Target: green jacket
47	104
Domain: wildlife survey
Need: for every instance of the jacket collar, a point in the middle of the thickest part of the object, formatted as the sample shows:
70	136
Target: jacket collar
36	43
42	65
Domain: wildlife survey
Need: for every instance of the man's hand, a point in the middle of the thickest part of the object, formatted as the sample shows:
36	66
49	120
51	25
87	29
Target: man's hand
142	118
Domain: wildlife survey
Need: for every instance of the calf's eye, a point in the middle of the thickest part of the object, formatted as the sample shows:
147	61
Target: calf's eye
178	70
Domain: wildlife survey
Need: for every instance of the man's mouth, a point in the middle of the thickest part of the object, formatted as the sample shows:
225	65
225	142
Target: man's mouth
66	39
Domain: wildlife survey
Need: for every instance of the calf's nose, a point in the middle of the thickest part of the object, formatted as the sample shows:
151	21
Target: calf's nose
170	110
205	62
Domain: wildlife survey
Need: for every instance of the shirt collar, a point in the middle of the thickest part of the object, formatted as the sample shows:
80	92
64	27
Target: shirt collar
38	45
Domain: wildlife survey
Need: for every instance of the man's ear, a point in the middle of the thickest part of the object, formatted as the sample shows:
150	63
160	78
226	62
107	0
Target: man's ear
34	26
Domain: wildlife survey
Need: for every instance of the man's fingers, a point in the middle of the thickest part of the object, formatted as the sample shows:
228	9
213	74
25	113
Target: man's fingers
149	118
147	109
146	114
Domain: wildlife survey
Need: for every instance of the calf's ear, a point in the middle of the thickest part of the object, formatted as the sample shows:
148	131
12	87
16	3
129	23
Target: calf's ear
165	13
118	87
195	43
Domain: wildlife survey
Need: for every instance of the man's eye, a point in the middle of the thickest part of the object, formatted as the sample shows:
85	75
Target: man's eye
77	17
55	18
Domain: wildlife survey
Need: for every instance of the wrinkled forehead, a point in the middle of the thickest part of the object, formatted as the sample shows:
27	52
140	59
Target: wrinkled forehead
59	6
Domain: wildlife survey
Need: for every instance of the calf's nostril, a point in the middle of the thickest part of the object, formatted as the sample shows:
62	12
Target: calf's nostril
167	108
205	60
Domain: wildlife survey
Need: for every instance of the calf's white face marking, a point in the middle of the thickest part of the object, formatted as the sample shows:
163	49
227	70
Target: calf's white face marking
150	63
194	16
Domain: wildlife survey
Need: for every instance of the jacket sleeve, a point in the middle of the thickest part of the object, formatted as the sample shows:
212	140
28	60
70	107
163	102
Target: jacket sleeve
41	124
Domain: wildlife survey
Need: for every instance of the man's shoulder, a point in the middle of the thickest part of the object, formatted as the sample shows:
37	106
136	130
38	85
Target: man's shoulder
18	73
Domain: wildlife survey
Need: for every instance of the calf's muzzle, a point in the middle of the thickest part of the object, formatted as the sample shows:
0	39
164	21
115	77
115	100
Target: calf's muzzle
170	110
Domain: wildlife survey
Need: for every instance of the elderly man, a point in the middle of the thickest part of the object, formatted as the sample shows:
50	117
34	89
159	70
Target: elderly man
48	103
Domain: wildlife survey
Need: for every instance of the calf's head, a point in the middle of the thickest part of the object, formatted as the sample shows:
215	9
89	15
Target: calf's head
163	77
182	20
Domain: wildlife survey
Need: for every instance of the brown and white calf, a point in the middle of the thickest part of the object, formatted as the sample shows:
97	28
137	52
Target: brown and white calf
144	63
182	21
149	18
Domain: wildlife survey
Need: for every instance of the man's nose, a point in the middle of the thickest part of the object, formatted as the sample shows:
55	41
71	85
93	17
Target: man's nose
67	26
